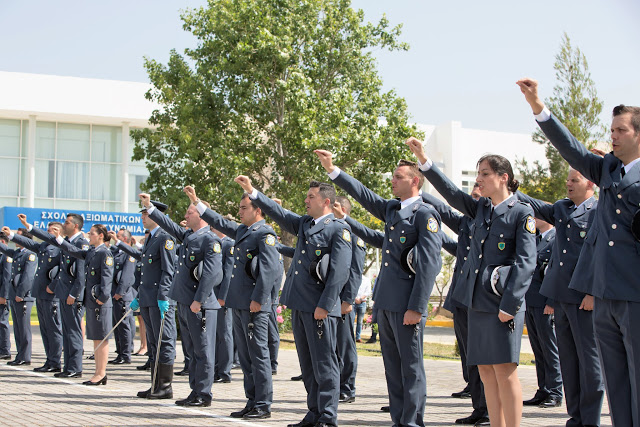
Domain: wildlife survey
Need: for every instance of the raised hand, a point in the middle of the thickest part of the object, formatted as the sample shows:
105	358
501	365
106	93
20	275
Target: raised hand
598	152
337	210
326	158
113	236
23	219
245	183
191	193
55	232
5	230
145	199
529	88
278	201
416	147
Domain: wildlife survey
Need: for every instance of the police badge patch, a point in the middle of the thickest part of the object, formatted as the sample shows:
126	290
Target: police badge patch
501	246
361	243
318	252
32	257
109	261
403	239
168	244
530	225
85	247
270	240
583	233
132	259
346	235
216	248
432	225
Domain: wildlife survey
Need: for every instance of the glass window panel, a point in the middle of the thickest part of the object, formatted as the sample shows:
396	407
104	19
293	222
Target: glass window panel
43	203
72	204
73	142
10	138
72	180
25	139
23	177
45	140
96	205
22	201
134	208
11	177
112	207
45	178
134	186
105	181
106	144
9	201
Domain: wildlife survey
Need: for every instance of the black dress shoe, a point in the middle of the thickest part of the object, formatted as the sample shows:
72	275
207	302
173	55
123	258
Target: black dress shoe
102	381
324	425
46	368
221	380
535	400
144	394
60	374
484	421
464	394
5	357
183	373
69	375
120	362
257	414
472	419
199	402
18	363
302	423
116	360
274	372
183	402
346	399
240	414
298	378
385	409
145	367
551	402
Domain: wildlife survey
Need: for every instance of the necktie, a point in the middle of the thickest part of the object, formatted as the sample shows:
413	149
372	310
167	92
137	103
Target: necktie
623	172
313	223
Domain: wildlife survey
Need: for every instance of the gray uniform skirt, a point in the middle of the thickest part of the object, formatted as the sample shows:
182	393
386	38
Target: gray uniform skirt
99	322
491	342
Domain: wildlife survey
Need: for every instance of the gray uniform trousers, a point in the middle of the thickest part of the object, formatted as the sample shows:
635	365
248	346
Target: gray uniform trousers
5	333
542	336
347	354
224	343
185	352
316	347
460	328
476	388
72	339
21	316
274	337
616	331
152	320
253	352
580	365
402	346
123	335
50	320
200	343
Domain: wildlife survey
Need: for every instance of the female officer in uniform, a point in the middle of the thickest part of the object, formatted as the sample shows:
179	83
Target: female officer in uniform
494	278
97	299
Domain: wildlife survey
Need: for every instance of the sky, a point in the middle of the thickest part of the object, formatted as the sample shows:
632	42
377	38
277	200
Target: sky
464	60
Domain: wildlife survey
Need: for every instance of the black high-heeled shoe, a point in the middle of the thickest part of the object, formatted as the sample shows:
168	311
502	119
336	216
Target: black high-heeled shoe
103	381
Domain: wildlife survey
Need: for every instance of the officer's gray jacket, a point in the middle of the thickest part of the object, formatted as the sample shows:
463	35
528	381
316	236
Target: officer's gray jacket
258	240
285	250
506	238
227	268
416	225
359	253
615	252
583	276
23	270
48	258
331	235
70	280
572	226
5	275
98	272
124	273
544	250
197	246
157	259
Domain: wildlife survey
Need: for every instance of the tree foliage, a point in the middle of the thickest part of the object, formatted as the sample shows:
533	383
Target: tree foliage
268	82
576	104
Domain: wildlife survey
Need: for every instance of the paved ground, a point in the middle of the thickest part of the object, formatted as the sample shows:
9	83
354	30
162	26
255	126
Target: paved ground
28	398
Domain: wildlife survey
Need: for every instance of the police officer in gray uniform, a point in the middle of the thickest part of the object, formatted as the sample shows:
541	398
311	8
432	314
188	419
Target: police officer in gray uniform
122	293
580	365
157	270
23	271
540	323
250	293
312	291
5	277
616	249
69	288
274	331
224	331
401	294
46	304
199	272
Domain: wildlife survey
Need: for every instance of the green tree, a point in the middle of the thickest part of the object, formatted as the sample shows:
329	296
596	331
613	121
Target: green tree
269	81
576	104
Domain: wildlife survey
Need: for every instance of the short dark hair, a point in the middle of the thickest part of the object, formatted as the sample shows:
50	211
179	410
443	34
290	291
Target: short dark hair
127	234
55	224
326	191
25	233
635	115
345	203
414	170
253	203
76	219
101	229
501	165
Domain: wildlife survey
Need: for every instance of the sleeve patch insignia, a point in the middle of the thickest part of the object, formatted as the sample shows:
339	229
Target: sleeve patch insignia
9	259
231	250
530	225
270	240
85	247
32	257
169	245
132	259
346	235
109	261
361	243
432	225
216	248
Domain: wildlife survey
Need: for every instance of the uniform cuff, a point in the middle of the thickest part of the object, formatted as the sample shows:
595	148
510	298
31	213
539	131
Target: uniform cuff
254	194
333	175
544	115
426	166
59	239
150	209
10	236
29	227
201	207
